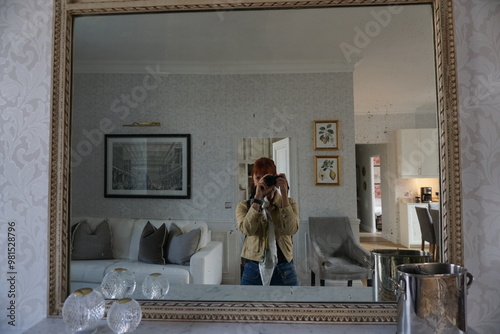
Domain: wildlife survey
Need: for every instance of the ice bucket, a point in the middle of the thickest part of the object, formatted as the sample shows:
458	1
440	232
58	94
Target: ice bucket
431	298
384	263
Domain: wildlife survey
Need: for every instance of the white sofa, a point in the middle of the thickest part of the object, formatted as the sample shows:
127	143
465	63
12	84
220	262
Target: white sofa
205	266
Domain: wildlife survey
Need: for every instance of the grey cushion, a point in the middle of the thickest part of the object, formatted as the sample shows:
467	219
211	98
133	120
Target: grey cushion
152	244
182	246
91	245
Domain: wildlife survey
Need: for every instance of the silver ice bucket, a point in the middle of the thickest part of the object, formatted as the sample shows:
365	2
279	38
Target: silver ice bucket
431	298
385	262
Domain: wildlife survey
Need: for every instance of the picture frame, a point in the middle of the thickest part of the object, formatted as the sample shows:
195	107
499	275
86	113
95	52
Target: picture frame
148	166
326	135
327	170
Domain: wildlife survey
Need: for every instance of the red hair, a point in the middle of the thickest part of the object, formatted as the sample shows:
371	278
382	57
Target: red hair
264	166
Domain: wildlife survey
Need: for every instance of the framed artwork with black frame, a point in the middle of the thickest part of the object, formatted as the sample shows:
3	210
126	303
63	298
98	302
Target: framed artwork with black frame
148	166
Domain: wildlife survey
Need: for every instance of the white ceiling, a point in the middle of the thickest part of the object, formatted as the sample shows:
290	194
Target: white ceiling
390	49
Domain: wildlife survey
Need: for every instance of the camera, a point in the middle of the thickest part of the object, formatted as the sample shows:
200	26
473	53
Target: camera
270	180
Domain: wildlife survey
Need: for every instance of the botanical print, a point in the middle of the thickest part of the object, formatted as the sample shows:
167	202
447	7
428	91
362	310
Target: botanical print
326	135
327	170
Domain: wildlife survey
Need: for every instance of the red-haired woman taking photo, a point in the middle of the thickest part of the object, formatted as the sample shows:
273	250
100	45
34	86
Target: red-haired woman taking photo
268	220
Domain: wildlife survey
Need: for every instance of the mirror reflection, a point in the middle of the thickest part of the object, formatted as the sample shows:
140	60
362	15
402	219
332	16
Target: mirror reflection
238	82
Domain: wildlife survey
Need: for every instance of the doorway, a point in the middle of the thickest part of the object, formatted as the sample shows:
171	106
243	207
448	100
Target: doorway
376	193
370	188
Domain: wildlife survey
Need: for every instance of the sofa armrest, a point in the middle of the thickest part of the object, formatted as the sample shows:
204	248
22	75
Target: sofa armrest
206	264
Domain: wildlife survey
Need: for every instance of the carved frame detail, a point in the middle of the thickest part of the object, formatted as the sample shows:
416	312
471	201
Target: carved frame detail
343	313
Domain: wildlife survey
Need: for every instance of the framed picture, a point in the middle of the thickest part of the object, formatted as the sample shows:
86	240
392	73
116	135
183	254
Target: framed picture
327	168
326	135
148	166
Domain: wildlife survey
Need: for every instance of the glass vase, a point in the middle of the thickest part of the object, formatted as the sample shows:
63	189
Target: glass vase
118	283
82	311
124	316
155	286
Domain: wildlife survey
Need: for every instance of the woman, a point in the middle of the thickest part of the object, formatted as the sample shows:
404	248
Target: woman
269	220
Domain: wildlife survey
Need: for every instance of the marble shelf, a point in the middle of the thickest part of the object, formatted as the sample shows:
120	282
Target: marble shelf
265	293
56	325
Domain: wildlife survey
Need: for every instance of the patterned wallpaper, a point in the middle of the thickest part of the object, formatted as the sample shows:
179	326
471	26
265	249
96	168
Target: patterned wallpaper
25	82
478	54
25	64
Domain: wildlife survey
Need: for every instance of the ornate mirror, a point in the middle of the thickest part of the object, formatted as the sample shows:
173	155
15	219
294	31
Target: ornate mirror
67	13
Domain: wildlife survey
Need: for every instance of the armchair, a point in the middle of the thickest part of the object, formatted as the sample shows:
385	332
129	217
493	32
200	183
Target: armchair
334	253
428	230
436	223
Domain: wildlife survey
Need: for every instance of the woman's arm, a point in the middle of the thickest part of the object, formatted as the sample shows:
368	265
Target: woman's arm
248	220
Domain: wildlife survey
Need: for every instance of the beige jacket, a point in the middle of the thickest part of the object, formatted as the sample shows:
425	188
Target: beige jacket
251	223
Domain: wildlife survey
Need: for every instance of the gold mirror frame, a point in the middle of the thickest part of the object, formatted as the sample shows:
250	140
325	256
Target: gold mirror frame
339	312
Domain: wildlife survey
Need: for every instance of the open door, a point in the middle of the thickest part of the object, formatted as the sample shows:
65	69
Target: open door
281	157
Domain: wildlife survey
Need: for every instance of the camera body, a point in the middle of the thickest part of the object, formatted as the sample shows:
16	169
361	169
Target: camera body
270	180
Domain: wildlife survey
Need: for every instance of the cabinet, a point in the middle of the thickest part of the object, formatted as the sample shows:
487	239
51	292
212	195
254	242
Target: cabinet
418	153
409	227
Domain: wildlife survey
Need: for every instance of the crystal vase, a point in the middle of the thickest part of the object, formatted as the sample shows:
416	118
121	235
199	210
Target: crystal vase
124	316
155	286
82	311
118	283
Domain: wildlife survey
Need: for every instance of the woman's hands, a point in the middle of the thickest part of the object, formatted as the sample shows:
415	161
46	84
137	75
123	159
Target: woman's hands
282	184
263	190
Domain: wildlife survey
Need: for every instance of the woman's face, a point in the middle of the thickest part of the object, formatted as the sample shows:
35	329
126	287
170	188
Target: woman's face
257	177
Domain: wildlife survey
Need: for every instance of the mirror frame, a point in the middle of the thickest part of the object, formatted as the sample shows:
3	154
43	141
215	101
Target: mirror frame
336	312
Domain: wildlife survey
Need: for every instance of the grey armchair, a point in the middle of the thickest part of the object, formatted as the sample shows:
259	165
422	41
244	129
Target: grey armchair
334	253
436	223
427	230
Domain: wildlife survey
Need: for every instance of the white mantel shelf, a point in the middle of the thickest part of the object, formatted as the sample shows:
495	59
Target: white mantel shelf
56	325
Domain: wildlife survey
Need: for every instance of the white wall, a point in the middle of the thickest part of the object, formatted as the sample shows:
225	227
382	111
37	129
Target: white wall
24	88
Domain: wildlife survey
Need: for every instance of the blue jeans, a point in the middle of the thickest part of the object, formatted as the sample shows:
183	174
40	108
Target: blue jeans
284	274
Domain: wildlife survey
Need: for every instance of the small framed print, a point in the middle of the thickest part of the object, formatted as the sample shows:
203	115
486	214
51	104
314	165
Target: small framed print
327	168
326	135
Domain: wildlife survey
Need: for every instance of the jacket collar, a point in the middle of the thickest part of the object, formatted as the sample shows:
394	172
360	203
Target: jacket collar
277	199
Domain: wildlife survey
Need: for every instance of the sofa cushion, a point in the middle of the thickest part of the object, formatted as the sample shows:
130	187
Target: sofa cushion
181	246
185	226
121	230
152	244
88	244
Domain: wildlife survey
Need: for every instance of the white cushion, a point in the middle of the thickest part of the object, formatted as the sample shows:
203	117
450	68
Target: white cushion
176	274
91	271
